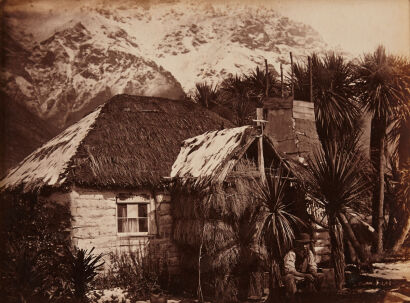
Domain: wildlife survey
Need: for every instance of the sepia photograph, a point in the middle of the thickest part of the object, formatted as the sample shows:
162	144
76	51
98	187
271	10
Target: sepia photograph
204	151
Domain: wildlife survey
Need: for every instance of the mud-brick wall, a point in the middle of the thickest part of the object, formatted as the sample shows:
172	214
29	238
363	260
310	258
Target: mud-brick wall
94	223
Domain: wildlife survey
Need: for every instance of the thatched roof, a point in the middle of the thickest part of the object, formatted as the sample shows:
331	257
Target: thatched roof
127	142
209	157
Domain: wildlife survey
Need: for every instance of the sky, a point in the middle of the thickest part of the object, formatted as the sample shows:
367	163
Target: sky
357	26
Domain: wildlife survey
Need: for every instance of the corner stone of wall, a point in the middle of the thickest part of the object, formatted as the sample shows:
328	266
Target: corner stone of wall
162	246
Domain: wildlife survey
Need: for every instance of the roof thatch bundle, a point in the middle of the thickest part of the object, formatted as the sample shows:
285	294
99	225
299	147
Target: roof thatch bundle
215	202
128	142
215	235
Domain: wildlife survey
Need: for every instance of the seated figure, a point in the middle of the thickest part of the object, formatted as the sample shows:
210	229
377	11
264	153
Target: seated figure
300	268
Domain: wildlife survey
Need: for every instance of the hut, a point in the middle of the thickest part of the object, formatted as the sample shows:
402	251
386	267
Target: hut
108	168
214	203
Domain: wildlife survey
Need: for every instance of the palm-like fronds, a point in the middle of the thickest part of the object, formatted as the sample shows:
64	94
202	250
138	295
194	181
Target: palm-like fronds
83	266
237	94
277	223
399	127
383	85
257	84
301	81
336	112
205	94
335	178
384	92
235	86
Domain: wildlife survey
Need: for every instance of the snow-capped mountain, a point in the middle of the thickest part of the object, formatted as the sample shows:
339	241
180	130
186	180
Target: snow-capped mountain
62	59
73	71
76	58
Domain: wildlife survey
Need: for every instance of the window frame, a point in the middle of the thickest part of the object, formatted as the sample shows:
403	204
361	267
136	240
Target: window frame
136	233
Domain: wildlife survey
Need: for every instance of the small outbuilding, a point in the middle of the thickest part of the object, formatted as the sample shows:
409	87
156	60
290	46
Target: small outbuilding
214	194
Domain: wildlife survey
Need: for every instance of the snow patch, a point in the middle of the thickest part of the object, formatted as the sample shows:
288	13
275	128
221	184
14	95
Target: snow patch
108	295
25	86
372	290
47	165
391	271
203	155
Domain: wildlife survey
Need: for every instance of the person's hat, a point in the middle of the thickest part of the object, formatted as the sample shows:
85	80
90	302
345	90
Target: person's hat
303	238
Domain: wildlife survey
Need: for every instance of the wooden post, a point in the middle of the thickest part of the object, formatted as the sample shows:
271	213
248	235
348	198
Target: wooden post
281	80
310	80
261	162
267	78
291	75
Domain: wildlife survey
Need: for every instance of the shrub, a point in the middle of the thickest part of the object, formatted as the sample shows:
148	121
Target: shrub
82	269
33	234
22	275
137	272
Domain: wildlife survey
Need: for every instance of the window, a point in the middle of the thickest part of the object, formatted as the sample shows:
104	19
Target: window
132	218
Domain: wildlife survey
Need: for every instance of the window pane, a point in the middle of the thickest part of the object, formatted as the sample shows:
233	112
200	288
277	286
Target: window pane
132	210
122	210
122	225
143	225
142	210
132	225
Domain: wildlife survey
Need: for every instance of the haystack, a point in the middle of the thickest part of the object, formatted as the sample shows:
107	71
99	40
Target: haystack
213	203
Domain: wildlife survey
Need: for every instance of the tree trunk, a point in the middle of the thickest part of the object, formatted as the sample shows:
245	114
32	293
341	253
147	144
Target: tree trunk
274	282
380	209
375	160
353	255
404	145
404	157
402	237
337	251
352	237
199	290
377	143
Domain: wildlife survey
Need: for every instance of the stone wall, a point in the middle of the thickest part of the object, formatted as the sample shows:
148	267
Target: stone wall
94	223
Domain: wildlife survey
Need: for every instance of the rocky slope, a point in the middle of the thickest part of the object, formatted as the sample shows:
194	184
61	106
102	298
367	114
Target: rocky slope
72	72
64	58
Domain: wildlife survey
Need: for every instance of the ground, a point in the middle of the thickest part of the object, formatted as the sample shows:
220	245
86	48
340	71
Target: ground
387	283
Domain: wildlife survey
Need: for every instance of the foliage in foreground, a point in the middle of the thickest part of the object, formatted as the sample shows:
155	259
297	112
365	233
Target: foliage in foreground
335	181
83	266
136	271
33	234
277	224
35	262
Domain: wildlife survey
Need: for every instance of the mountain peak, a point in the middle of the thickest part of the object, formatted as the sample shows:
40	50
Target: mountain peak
68	60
